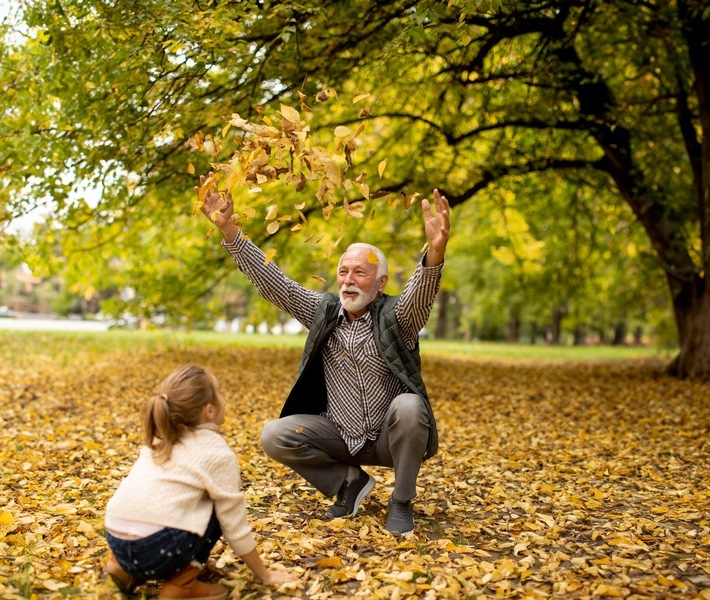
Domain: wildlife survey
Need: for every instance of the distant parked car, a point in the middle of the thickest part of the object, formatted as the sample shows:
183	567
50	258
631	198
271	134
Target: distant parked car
6	312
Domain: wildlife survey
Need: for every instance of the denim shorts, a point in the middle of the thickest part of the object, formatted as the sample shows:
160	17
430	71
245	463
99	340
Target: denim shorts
166	552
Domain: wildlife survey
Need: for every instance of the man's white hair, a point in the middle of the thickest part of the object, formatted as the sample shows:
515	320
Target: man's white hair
382	268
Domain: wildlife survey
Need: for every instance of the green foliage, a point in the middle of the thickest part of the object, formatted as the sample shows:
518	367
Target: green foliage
571	137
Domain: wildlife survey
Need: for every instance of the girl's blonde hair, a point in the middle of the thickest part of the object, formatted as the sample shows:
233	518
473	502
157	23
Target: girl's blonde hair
176	408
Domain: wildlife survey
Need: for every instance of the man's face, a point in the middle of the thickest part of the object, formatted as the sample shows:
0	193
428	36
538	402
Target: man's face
358	284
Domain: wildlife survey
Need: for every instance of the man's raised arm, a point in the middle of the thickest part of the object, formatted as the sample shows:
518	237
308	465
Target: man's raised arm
437	225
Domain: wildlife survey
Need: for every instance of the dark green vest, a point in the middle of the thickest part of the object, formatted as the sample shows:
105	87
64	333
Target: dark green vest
308	395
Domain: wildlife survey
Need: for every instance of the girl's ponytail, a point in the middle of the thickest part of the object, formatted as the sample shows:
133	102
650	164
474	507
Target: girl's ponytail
176	408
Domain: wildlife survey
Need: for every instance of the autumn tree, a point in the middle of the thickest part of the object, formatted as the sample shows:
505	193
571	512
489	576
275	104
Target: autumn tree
463	95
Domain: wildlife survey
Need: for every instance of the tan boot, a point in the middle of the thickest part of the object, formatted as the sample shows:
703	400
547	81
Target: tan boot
184	586
123	580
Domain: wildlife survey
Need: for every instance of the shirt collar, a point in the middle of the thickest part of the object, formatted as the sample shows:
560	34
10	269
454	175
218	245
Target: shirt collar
341	315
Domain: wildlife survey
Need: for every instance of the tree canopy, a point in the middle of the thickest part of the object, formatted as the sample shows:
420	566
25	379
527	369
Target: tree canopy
582	146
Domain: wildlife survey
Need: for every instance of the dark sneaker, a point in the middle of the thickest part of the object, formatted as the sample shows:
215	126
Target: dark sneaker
400	519
350	494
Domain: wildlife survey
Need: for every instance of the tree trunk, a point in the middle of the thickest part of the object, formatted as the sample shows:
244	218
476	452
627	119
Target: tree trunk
443	315
619	334
692	313
514	326
556	327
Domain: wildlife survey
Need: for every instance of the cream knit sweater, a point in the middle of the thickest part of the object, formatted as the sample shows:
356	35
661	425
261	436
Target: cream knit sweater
202	473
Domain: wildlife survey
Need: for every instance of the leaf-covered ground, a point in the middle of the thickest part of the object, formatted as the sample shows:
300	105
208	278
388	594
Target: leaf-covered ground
553	480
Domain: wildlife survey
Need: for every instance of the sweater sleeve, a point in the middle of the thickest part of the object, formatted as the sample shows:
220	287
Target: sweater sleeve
222	483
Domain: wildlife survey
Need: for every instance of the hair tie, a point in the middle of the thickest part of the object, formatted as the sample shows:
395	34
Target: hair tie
164	397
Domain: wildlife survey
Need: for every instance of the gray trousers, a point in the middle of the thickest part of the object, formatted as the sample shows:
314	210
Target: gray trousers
312	446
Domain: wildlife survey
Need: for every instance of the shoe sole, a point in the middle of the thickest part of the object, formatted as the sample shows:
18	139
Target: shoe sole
401	533
367	488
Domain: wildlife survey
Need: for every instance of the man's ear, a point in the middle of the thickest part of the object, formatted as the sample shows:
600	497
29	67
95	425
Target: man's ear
382	283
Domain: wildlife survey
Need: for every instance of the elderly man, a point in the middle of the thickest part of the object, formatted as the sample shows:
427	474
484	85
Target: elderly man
359	398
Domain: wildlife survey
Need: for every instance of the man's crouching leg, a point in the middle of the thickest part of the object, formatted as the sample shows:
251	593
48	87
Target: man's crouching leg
407	435
310	445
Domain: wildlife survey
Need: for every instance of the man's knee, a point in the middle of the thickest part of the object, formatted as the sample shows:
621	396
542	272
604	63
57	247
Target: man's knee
271	439
410	411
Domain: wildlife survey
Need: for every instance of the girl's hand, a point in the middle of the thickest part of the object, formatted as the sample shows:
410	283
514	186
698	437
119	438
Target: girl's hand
277	578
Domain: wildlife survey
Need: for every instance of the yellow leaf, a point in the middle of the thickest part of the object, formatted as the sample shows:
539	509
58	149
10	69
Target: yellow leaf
5	518
342	131
290	113
273	227
269	255
620	541
372	258
520	547
86	529
191	168
610	590
381	167
63	509
360	98
272	212
329	562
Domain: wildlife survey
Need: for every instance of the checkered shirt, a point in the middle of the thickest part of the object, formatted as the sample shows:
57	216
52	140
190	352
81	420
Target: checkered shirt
359	384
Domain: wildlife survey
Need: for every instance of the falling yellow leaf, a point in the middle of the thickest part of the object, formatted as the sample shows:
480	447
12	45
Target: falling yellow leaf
273	227
360	98
191	168
272	212
381	167
290	113
342	131
269	255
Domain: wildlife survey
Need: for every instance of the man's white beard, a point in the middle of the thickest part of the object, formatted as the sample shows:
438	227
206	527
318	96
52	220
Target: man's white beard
359	303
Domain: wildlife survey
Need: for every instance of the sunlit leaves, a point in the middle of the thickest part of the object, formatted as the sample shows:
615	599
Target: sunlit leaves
281	150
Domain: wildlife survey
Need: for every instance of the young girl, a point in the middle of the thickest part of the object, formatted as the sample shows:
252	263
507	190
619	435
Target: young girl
181	495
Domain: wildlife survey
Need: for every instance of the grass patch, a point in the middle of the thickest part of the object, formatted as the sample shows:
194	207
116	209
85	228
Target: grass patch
56	343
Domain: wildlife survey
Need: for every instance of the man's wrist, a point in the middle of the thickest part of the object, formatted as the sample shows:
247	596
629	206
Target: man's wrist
230	233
